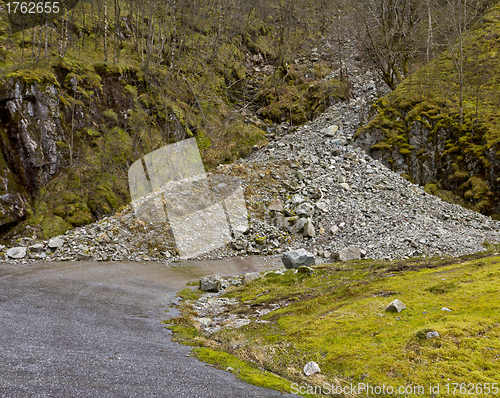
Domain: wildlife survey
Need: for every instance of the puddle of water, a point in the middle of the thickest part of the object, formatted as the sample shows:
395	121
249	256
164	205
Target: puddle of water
226	267
170	278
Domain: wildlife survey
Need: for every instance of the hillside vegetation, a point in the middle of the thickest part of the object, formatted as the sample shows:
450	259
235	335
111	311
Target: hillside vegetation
87	91
440	127
123	78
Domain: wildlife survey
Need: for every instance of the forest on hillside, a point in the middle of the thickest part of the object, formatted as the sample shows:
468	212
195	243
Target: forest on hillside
125	77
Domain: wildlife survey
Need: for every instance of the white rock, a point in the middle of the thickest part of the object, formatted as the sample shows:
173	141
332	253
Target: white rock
431	335
204	322
251	276
347	254
311	368
16	252
322	206
297	199
330	130
56	243
395	306
240	229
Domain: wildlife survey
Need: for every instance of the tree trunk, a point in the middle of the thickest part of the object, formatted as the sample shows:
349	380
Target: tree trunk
105	30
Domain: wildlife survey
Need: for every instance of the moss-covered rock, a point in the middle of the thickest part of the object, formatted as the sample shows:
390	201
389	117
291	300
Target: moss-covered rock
14	201
289	95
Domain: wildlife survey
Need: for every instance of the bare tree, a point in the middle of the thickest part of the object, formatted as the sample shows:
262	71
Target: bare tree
105	30
64	37
453	20
388	29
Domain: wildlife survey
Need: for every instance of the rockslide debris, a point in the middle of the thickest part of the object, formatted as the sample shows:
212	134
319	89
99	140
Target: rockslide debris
308	188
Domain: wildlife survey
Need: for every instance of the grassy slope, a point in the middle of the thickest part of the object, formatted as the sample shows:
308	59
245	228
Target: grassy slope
337	318
429	98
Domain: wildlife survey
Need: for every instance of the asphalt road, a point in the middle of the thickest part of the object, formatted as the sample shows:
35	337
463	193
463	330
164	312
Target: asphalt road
93	330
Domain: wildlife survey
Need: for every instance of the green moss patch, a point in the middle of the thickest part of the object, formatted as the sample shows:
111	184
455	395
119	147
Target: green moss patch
291	95
246	371
34	75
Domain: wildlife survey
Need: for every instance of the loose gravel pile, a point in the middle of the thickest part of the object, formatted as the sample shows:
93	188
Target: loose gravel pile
309	187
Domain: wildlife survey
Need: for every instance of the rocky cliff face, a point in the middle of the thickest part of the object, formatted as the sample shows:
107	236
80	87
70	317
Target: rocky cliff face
441	126
427	147
30	129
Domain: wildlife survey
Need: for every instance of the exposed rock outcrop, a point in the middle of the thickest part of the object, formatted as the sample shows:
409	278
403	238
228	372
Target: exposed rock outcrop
30	129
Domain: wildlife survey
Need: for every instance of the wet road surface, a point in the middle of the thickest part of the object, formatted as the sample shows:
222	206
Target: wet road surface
88	329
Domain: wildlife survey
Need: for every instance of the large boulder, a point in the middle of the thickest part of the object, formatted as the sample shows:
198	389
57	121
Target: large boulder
297	258
16	252
211	283
349	253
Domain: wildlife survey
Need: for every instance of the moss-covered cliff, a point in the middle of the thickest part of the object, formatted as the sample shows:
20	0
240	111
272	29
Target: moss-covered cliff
425	130
85	94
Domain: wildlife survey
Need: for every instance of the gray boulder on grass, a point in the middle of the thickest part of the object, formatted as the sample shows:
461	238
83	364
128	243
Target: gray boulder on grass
395	306
297	258
349	253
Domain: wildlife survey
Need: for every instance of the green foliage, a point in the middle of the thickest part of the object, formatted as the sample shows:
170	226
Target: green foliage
187	294
430	188
442	288
246	371
289	95
48	223
33	75
111	115
381	146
